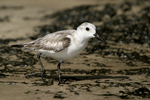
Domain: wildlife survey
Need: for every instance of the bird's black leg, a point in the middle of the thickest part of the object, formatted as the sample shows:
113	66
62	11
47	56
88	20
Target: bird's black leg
43	73
58	67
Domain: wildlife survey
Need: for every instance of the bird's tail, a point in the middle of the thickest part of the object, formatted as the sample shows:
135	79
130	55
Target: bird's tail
18	45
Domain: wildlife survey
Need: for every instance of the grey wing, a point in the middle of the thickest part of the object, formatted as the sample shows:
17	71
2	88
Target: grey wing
53	42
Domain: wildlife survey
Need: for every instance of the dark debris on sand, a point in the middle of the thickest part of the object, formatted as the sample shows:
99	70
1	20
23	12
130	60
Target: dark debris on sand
117	24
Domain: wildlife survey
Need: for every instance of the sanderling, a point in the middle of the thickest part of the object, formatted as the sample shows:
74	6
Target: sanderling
62	45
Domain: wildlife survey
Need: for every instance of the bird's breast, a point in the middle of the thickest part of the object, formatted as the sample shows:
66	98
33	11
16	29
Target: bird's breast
77	48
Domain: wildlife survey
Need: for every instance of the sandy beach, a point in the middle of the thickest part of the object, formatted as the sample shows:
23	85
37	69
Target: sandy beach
116	71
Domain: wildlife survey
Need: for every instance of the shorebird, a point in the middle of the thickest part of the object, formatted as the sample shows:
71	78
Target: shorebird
62	45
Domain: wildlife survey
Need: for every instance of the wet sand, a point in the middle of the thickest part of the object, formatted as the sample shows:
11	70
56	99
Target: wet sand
119	70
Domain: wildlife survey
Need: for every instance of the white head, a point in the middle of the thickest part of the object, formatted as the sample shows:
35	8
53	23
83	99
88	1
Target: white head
88	30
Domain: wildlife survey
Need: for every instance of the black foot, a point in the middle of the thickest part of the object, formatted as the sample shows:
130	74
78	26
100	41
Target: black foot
62	83
43	74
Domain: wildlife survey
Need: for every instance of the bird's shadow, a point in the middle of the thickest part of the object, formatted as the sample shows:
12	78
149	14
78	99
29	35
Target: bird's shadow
89	77
69	79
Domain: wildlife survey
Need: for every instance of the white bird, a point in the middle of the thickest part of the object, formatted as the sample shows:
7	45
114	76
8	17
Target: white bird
62	45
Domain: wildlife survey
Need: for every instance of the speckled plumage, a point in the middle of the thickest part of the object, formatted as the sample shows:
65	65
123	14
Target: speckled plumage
55	42
62	45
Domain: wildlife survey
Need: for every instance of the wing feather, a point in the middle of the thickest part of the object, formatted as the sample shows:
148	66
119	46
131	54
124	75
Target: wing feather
56	42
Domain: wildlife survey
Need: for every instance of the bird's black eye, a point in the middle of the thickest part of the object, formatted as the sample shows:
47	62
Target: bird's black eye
87	29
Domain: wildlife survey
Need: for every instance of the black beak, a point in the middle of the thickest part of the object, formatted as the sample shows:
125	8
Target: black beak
98	37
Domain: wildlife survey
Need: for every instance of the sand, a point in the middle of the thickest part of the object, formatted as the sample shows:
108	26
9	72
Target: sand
90	76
